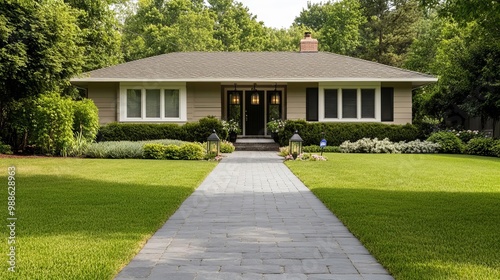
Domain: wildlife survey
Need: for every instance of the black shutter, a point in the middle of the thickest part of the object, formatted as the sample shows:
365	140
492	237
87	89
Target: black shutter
387	102
312	104
331	105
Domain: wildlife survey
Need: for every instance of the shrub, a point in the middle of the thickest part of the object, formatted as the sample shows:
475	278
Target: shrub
467	135
480	147
337	133
79	146
496	148
172	152
226	147
85	119
367	145
192	151
115	149
140	132
5	149
199	131
317	149
448	141
154	151
52	123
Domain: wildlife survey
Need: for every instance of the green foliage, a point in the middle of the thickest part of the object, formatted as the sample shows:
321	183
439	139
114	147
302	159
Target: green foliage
199	131
226	147
79	146
337	133
154	151
5	149
480	147
52	122
318	149
338	24
495	150
85	119
448	141
377	146
115	149
172	152
138	132
192	151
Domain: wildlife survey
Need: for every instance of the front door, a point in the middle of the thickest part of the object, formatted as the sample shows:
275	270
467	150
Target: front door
254	113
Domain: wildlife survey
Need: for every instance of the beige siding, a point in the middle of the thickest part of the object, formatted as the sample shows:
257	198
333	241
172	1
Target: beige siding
203	99
296	100
105	98
402	102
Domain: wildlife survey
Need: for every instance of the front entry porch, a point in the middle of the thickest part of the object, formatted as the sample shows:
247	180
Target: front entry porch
252	106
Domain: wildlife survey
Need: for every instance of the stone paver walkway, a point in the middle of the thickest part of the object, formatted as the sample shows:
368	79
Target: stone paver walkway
253	219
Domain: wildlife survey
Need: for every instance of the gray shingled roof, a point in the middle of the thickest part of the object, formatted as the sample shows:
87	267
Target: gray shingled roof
253	67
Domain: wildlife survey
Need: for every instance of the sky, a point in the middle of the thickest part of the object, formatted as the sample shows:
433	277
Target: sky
277	13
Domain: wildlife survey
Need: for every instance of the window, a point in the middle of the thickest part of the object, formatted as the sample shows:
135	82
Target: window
331	103
312	104
350	104
153	104
134	102
367	103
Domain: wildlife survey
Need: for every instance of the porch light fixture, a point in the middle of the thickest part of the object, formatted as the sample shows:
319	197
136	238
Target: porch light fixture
213	145
295	145
234	97
254	98
275	96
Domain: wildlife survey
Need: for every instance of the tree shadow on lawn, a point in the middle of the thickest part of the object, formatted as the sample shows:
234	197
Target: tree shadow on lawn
424	235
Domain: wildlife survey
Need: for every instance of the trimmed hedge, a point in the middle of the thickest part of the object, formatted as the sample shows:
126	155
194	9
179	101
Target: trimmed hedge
450	143
191	132
337	133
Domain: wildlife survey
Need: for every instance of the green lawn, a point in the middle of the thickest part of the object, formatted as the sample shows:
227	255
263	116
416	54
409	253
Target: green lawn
422	216
86	218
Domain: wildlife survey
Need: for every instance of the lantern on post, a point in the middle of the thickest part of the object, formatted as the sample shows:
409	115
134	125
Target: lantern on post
213	145
295	145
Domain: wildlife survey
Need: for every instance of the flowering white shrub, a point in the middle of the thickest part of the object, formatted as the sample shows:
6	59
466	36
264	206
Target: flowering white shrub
307	157
367	145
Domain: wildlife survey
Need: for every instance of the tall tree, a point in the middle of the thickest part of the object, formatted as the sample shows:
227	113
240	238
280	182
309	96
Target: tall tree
390	29
337	24
99	32
163	26
236	28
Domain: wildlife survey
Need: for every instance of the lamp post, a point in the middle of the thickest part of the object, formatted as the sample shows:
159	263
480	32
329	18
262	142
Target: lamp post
213	145
295	145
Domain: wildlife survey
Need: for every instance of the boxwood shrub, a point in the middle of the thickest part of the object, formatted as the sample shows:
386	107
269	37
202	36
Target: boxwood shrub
192	132
480	147
337	133
448	141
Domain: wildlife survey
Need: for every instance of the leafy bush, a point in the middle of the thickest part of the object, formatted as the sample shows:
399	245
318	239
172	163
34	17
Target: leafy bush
367	145
317	149
115	149
79	146
226	147
140	132
199	131
480	147
495	150
154	151
172	152
52	123
85	119
467	135
337	133
5	149
448	141
192	151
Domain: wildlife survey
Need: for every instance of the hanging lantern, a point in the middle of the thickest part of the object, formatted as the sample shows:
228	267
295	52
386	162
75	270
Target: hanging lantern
234	98
254	98
213	145
295	145
275	98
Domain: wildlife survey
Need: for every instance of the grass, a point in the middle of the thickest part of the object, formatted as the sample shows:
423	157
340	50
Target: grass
421	216
87	218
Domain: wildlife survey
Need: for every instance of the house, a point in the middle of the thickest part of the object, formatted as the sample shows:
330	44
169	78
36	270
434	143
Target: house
253	88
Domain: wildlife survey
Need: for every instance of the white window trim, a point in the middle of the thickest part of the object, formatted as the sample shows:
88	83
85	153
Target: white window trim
181	87
358	87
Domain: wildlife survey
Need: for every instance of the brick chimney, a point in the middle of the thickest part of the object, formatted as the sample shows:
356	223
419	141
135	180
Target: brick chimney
308	44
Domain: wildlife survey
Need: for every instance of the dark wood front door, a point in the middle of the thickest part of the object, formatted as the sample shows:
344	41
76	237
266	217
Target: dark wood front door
254	113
